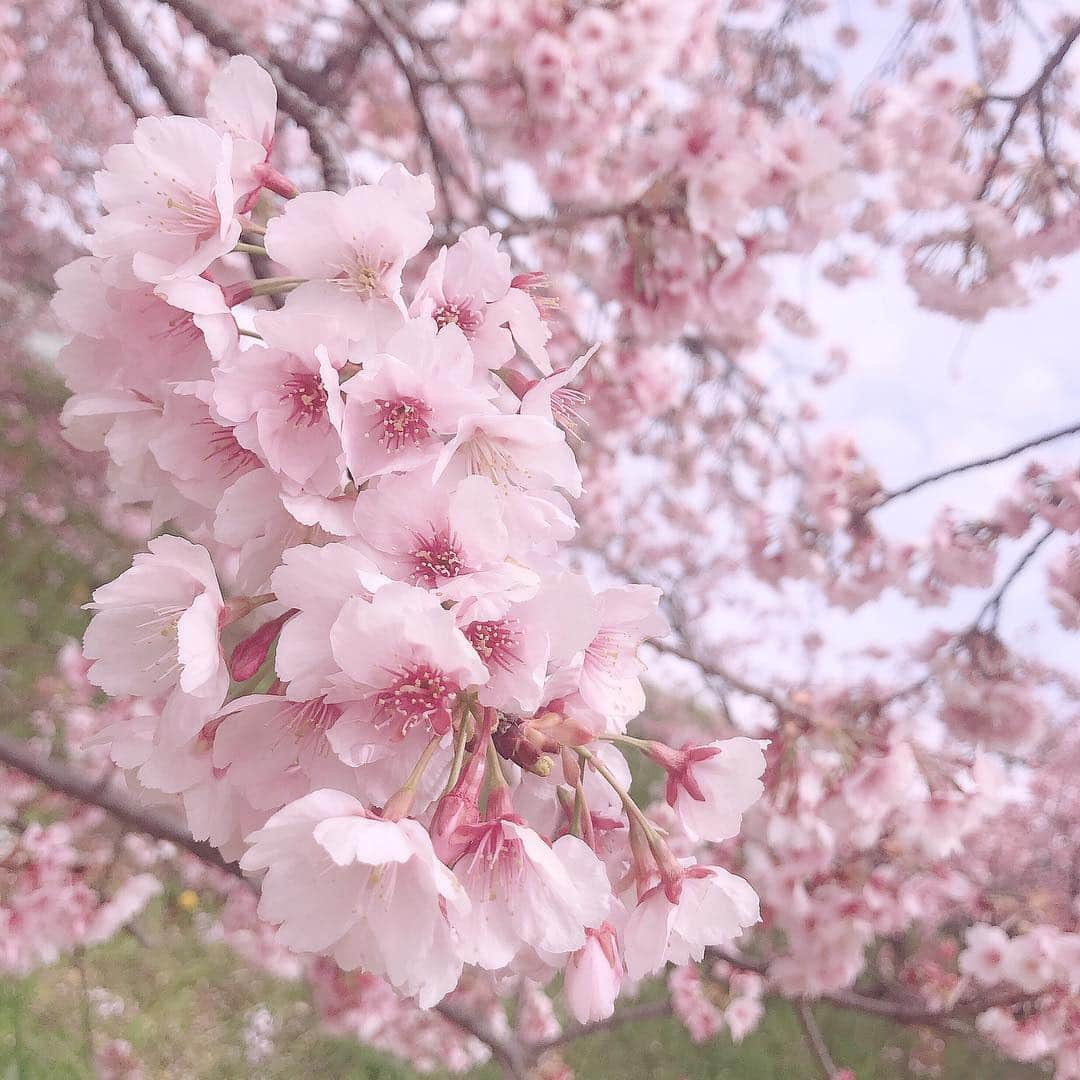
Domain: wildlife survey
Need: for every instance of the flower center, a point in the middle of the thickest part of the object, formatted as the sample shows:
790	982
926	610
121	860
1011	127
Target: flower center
363	275
496	642
461	314
230	457
418	694
613	652
566	406
305	391
436	557
305	719
192	214
486	457
180	326
402	423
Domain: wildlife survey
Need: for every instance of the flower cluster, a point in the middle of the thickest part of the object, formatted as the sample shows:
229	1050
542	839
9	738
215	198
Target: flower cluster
367	672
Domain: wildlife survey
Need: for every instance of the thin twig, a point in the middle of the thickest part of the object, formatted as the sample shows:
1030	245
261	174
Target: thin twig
632	1014
978	463
993	604
1021	101
291	100
440	164
784	708
67	781
507	1052
815	1041
99	28
161	78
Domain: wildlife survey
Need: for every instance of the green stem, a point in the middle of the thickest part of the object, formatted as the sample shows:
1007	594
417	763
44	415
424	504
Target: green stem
626	740
244	248
270	286
400	803
496	777
461	737
632	809
422	763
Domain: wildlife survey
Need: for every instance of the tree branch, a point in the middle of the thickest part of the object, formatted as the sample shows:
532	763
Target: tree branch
784	708
993	604
507	1052
632	1014
815	1040
993	459
67	781
440	164
131	38
291	101
99	29
1020	102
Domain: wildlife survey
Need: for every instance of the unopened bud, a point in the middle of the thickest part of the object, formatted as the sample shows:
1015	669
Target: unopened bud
458	809
275	181
251	653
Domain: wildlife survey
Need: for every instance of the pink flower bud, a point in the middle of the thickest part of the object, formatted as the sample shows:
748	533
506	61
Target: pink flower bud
251	653
275	181
458	809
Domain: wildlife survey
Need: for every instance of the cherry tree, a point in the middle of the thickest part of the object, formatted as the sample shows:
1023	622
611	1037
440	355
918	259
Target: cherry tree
447	350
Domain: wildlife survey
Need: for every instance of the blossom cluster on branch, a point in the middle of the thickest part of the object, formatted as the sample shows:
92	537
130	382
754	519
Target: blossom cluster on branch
367	673
367	413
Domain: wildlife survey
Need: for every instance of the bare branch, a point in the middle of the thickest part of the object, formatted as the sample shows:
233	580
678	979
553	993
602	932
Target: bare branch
507	1052
784	708
100	34
67	781
992	607
292	101
815	1040
1021	101
132	39
978	463
440	164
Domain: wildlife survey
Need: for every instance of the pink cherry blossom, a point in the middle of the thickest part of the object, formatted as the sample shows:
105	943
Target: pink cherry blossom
593	976
470	285
403	658
155	631
526	894
714	908
408	399
380	895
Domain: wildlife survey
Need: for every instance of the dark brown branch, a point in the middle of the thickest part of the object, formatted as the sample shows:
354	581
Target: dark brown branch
507	1052
66	781
815	1041
649	1010
1021	101
291	101
992	459
132	39
99	29
992	607
784	708
440	164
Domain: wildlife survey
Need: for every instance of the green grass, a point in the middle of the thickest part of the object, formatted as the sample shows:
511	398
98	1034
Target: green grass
185	1002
